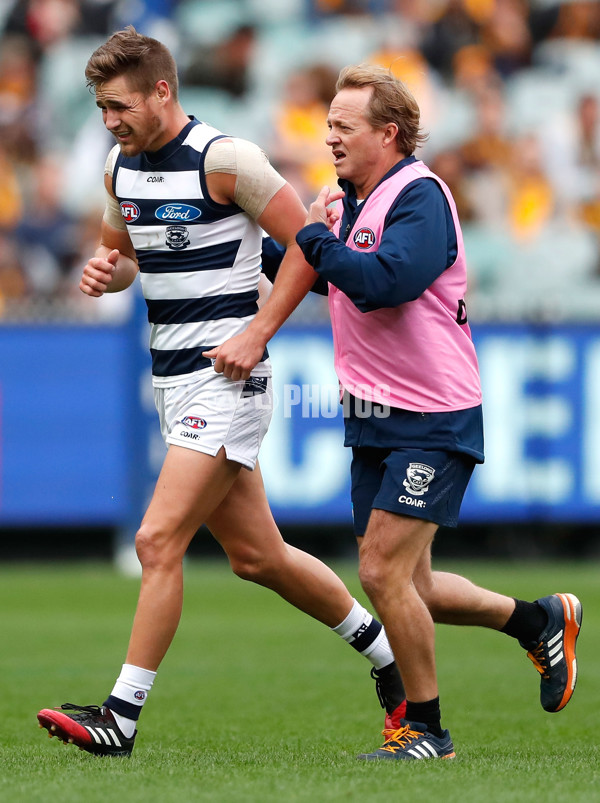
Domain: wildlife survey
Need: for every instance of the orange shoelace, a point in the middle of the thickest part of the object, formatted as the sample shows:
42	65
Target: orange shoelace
398	739
537	658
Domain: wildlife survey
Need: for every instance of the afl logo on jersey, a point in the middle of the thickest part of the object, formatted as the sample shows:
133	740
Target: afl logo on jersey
364	238
130	211
194	421
177	212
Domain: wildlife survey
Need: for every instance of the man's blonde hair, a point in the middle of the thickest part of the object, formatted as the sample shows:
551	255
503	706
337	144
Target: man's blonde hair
143	60
391	102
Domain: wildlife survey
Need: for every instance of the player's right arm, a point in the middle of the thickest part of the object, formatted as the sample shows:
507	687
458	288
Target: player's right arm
113	266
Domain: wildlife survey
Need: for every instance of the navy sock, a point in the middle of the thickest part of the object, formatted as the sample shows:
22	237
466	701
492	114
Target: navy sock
527	622
428	713
389	687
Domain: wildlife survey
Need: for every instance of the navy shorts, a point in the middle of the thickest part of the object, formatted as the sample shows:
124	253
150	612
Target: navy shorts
422	483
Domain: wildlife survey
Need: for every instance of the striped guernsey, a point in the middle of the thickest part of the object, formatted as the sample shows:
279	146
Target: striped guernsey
199	261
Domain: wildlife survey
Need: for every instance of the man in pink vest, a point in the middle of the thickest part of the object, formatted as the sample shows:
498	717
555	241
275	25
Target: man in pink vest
391	250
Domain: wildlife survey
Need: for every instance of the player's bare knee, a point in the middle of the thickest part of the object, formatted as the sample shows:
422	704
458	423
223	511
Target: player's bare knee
427	591
249	565
154	549
145	547
372	576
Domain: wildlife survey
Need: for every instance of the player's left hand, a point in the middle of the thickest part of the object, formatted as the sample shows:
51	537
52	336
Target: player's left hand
236	357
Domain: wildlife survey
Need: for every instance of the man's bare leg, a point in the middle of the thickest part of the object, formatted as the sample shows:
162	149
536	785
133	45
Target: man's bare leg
245	527
391	550
188	489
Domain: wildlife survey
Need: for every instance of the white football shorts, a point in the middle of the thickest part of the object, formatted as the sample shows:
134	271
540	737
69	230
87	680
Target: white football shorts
213	412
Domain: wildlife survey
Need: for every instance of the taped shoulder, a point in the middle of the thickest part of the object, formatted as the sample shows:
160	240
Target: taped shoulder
109	167
112	210
257	180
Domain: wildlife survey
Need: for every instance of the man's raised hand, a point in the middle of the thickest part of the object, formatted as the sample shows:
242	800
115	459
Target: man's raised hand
98	274
321	211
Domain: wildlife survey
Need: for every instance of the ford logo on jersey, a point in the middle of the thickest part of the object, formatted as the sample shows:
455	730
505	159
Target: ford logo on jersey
177	212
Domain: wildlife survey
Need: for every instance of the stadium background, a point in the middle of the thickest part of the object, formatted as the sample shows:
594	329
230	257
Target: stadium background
510	93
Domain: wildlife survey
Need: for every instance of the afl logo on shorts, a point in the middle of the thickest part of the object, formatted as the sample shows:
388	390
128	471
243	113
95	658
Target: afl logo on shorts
130	211
364	238
194	422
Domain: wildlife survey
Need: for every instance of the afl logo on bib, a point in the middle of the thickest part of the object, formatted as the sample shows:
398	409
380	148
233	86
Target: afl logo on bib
130	211
364	238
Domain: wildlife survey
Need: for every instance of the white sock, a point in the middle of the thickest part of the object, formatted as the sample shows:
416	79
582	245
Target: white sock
131	689
126	726
366	635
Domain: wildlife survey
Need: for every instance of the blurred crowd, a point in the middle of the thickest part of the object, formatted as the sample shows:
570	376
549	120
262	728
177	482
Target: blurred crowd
509	92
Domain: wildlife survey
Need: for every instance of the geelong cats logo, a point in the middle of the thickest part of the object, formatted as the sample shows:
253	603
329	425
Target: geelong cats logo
177	237
418	477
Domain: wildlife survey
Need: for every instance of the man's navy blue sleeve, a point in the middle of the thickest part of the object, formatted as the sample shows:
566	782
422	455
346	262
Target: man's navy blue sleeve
272	254
418	243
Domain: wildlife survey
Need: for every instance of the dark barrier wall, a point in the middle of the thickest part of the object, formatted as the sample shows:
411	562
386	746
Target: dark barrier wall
79	438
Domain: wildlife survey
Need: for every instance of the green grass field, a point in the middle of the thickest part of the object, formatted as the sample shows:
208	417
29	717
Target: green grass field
256	702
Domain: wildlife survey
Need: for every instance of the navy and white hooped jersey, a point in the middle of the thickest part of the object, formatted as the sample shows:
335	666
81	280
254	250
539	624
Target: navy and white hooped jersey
199	260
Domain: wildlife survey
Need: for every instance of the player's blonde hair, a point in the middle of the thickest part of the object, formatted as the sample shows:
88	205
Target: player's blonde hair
142	59
391	102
